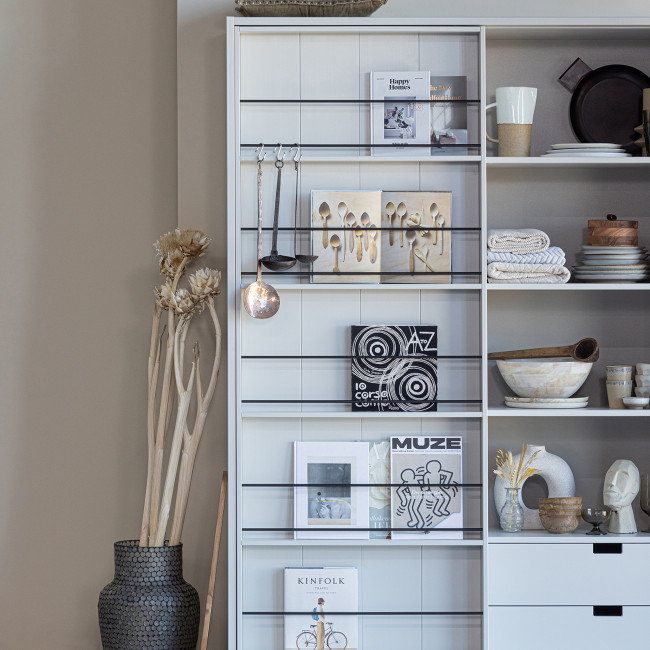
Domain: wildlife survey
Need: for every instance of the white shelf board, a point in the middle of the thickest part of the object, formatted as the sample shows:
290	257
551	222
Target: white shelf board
577	537
363	542
561	413
566	161
370	415
318	286
306	159
577	286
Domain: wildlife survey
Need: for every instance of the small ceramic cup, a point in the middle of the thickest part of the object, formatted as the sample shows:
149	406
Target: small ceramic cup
642	380
616	391
643	391
636	403
619	373
643	368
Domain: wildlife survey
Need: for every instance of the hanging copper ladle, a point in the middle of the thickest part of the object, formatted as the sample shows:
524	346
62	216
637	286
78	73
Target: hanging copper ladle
275	262
303	259
261	300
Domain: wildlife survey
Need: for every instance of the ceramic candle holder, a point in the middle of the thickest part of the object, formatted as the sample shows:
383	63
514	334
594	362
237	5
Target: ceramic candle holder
616	391
619	373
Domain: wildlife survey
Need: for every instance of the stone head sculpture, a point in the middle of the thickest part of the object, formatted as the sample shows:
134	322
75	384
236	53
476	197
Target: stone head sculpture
622	483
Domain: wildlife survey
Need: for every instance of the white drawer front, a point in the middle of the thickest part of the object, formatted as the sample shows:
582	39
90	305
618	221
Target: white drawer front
566	628
568	574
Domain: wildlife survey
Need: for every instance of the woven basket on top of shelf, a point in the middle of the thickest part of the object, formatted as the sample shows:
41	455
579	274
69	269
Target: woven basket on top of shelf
308	8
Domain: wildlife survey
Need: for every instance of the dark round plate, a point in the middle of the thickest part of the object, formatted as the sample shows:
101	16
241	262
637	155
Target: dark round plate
606	106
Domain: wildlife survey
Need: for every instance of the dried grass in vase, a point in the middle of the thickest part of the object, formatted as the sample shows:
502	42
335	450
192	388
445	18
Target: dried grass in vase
176	251
515	474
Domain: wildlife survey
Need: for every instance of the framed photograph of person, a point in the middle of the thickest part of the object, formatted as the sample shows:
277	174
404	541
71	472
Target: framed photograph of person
331	493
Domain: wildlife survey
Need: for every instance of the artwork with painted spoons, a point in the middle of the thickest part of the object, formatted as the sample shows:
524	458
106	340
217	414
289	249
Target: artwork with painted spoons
410	238
351	222
441	222
324	211
335	242
401	213
373	243
343	211
423	258
358	233
390	213
365	222
433	211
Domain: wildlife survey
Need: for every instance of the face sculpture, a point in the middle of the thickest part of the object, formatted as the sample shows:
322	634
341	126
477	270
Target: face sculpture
621	484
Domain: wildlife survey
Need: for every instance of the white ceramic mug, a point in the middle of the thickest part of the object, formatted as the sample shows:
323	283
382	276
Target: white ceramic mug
515	109
514	104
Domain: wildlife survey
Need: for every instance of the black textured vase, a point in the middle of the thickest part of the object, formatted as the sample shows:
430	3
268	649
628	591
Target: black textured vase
148	606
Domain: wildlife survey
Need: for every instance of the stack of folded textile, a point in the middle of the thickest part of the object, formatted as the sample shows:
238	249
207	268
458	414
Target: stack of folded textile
524	256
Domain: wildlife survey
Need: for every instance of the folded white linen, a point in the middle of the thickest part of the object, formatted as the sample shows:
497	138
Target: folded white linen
552	255
527	273
523	240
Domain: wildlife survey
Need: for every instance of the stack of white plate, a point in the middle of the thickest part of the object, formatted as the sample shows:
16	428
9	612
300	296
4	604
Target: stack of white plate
613	264
547	402
587	150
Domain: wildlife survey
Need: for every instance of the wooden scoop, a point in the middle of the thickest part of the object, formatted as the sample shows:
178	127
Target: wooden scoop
584	350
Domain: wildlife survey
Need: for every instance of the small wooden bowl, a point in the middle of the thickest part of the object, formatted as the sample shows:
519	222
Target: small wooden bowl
560	524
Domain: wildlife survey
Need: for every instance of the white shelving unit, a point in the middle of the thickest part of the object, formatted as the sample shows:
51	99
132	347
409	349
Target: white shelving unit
294	59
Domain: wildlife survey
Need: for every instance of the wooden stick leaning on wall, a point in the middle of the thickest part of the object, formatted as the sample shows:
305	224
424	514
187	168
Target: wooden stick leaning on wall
215	561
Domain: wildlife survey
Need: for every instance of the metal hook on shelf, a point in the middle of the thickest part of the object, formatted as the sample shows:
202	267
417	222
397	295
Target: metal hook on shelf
298	157
261	154
280	156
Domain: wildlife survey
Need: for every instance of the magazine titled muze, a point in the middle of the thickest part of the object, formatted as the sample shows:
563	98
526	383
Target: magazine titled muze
310	594
428	470
394	368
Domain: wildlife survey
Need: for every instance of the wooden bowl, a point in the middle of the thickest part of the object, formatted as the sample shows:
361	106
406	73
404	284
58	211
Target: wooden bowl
552	502
560	524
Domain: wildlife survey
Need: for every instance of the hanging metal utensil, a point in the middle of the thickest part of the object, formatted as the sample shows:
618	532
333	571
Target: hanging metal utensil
303	259
275	262
261	300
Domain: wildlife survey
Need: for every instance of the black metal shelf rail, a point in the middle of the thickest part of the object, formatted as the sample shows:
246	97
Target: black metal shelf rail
360	485
363	530
359	356
378	228
355	101
365	401
440	613
362	145
378	273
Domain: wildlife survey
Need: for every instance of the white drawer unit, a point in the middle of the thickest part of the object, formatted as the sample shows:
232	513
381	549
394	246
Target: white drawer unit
602	573
568	628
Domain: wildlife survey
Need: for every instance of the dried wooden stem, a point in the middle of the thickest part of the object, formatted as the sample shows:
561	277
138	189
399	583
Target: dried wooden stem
184	399
191	442
164	415
154	370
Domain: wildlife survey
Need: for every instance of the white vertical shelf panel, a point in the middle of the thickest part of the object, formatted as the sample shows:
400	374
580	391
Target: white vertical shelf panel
380	52
329	66
269	69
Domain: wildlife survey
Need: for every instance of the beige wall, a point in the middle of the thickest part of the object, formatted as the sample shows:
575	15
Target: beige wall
88	180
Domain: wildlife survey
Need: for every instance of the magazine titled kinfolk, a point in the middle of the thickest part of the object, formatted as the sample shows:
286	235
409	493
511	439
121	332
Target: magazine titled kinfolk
319	599
429	470
331	493
400	113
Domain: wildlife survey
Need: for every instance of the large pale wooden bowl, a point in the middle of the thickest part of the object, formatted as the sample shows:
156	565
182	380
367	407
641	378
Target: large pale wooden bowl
533	378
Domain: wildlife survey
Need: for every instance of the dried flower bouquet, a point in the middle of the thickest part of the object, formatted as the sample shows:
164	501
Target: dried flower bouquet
176	251
515	475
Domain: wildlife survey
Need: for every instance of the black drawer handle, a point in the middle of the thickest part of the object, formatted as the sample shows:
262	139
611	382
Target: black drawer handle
608	610
608	549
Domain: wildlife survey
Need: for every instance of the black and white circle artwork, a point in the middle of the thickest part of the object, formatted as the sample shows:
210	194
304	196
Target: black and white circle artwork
394	368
